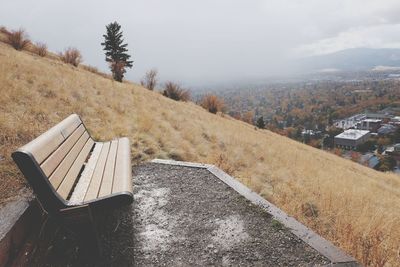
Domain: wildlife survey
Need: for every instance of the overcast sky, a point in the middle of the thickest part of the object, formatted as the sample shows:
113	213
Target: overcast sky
209	40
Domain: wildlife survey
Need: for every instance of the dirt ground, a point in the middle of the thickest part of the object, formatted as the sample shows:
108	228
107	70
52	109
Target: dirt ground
186	216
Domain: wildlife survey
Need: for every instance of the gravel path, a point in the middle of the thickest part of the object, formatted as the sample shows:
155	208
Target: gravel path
184	216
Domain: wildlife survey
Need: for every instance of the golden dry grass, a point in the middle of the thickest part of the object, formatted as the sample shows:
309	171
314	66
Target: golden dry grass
355	207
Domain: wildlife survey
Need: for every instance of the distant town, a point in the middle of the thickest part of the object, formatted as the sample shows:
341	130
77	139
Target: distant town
374	136
355	119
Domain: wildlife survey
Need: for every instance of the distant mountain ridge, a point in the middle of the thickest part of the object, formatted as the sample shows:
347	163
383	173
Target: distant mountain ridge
355	59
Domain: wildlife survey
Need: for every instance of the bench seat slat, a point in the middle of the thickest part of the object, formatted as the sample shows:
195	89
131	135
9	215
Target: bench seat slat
70	179
81	188
108	176
51	163
123	168
95	183
58	175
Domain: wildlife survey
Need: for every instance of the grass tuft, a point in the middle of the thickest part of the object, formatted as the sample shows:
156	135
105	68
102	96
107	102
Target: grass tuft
277	225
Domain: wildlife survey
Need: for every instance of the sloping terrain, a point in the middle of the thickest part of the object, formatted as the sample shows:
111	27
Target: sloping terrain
355	207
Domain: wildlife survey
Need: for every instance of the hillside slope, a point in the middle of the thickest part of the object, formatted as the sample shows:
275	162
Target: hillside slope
355	207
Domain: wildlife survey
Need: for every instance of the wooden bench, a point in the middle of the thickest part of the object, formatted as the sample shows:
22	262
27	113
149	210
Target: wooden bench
72	175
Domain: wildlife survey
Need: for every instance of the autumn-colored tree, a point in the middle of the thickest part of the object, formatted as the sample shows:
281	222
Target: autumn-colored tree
337	152
236	116
355	156
248	117
212	103
315	143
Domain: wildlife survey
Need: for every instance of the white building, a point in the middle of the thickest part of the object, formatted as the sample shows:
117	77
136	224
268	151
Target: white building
350	122
395	120
350	139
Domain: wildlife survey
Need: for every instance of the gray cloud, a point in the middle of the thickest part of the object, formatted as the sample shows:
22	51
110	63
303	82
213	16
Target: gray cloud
209	40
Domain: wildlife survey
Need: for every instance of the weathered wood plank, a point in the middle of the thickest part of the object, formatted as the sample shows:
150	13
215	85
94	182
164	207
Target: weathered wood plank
58	175
48	142
95	183
51	163
108	176
123	168
83	184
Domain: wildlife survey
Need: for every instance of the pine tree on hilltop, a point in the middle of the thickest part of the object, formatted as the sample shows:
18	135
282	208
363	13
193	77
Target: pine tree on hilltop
116	50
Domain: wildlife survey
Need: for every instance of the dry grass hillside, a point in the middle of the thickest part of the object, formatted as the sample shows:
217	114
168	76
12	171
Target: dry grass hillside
355	207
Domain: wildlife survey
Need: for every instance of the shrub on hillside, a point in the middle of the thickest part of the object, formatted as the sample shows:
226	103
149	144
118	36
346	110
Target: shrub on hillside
4	30
149	80
40	49
175	92
71	56
4	34
212	103
18	39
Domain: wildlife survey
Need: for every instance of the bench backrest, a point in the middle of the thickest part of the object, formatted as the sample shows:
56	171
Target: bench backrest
52	162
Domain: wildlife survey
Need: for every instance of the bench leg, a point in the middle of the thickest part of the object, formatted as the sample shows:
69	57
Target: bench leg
44	240
86	231
90	237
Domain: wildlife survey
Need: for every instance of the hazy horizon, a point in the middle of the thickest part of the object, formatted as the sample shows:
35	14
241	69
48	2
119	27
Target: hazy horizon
209	41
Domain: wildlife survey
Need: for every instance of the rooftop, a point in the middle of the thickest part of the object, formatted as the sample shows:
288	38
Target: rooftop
372	120
378	115
352	134
387	128
394	148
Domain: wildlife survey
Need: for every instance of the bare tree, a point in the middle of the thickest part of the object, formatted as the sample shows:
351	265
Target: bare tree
149	80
